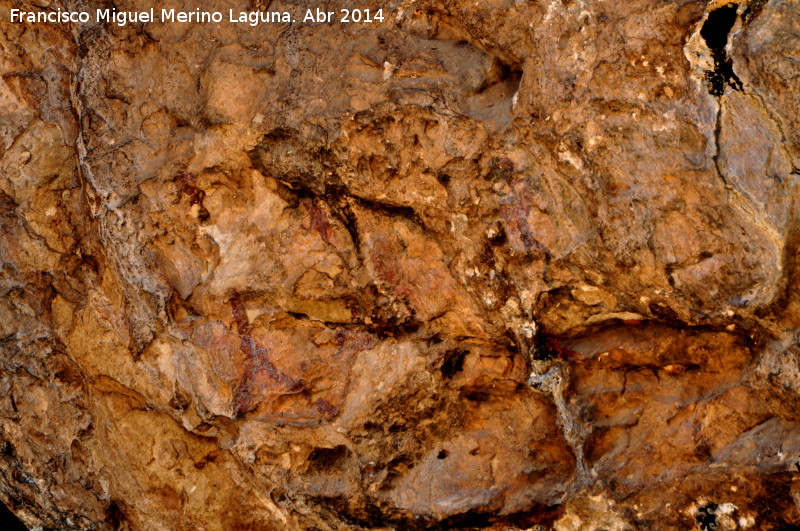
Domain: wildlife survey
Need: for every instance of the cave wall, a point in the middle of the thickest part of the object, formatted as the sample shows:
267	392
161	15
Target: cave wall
508	264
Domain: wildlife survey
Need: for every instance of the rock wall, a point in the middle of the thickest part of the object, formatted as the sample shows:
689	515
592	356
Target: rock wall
508	264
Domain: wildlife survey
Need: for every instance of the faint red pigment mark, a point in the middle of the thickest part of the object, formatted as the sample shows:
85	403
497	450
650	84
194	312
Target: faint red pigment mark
258	363
319	219
188	187
257	360
554	346
514	209
351	342
326	408
385	256
240	315
382	255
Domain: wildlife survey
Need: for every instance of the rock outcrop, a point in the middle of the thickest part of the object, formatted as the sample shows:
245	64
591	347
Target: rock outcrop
510	264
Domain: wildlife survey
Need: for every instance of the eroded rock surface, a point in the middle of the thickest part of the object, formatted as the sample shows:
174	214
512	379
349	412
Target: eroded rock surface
508	264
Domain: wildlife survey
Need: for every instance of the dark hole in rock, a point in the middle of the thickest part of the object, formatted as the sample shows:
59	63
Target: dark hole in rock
493	103
706	517
535	517
453	362
327	458
7	449
180	400
477	396
510	74
715	32
498	236
279	495
9	521
443	454
547	348
718	25
115	515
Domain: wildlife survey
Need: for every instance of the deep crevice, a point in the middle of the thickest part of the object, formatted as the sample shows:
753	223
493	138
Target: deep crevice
328	459
706	517
715	32
115	515
9	519
453	362
538	516
374	513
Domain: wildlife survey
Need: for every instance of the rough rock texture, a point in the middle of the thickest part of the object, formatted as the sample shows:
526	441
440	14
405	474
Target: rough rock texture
508	264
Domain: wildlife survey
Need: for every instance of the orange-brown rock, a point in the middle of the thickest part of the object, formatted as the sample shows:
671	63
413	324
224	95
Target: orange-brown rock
505	265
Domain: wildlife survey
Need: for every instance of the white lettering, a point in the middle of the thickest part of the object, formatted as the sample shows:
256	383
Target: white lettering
320	16
254	18
122	18
52	17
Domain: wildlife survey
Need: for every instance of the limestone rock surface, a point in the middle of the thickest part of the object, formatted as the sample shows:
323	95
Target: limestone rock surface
513	264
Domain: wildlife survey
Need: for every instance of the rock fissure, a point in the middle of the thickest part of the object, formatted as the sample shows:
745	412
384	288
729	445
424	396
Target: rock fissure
715	31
